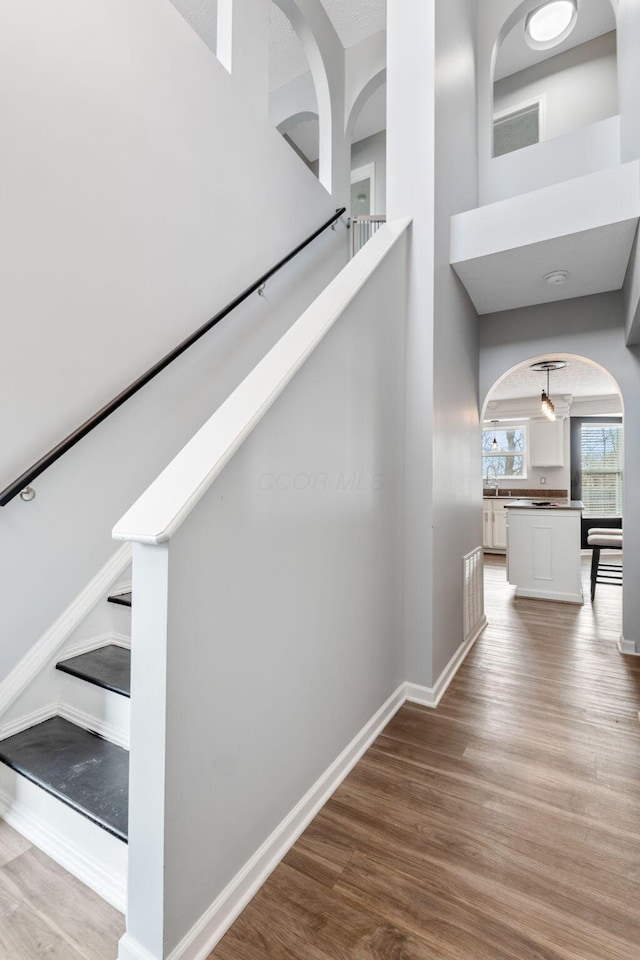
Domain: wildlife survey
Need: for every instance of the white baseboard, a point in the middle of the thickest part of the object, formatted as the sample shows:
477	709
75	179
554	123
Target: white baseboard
94	643
117	735
12	727
198	943
130	949
214	923
52	641
94	856
628	647
577	598
431	696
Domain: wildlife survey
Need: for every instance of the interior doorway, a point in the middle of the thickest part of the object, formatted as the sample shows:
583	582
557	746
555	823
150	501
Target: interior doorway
552	434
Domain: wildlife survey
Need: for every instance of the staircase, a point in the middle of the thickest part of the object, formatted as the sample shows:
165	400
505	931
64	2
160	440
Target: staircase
64	773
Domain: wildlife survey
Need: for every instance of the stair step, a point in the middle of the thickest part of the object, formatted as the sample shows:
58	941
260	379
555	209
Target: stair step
108	667
122	599
78	767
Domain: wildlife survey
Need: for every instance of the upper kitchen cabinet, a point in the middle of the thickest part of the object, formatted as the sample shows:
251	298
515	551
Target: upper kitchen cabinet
547	443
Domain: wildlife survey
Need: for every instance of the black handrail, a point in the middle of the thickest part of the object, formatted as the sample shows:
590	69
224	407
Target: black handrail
7	495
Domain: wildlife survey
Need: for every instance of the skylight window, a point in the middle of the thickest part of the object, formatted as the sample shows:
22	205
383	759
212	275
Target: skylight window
551	23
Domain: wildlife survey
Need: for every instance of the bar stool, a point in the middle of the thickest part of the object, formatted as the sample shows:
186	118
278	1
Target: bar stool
604	538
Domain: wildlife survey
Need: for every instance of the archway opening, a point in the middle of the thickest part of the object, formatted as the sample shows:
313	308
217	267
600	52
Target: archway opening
543	89
554	456
293	96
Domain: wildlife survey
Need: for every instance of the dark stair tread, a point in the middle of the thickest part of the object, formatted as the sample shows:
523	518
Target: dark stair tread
108	667
80	768
123	599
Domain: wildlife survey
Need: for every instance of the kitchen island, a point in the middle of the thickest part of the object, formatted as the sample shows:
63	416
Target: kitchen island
543	549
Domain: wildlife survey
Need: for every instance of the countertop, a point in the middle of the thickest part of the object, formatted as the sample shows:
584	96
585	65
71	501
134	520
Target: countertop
542	505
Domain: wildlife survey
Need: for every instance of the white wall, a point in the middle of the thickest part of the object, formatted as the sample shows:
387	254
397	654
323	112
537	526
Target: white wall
631	292
410	192
457	455
432	174
126	225
591	327
629	77
282	623
579	86
373	150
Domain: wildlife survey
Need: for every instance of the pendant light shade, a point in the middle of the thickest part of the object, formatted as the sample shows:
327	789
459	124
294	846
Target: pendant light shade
546	403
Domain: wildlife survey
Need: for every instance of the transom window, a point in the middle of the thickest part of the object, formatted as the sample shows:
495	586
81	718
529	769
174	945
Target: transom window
504	451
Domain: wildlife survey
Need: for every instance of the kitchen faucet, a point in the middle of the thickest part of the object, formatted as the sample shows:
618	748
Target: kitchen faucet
493	481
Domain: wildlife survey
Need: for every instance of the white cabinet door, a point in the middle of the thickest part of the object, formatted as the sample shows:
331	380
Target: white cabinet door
487	525
499	526
547	443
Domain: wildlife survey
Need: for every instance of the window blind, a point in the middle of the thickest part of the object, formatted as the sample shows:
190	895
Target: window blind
601	446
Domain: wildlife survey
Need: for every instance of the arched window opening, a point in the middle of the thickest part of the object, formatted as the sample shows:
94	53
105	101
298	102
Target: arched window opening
293	100
555	72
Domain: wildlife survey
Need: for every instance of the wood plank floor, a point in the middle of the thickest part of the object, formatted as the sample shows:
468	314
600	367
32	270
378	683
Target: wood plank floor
503	826
45	912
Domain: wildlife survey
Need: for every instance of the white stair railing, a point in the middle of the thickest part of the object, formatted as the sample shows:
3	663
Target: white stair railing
363	228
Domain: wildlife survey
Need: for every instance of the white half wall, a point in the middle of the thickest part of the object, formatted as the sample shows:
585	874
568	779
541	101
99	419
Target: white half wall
143	192
270	621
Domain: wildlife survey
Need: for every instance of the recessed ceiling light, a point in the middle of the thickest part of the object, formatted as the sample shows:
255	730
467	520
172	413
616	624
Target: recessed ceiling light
551	23
556	278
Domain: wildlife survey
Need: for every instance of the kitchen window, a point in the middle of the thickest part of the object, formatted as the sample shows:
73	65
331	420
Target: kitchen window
601	466
504	451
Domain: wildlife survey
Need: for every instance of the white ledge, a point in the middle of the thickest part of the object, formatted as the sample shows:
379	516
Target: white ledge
162	508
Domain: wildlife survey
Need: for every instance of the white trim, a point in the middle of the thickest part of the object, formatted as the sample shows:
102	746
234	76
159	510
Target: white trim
366	172
95	643
52	641
198	943
130	949
214	923
124	586
164	506
628	648
83	848
527	594
93	724
61	709
12	727
431	696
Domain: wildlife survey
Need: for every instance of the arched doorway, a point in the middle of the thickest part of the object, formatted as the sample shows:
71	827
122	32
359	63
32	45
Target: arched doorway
576	453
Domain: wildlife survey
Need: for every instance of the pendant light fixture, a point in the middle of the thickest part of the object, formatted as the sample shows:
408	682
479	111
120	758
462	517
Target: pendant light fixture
494	443
546	403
